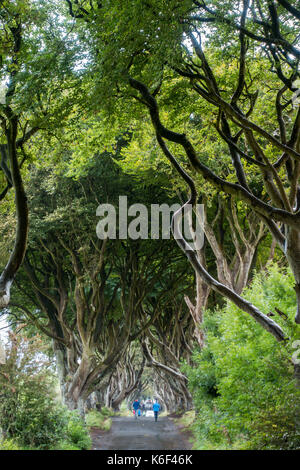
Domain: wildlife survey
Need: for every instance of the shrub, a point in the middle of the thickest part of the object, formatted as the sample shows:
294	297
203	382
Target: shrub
28	411
98	420
242	382
106	411
65	445
94	419
77	433
9	444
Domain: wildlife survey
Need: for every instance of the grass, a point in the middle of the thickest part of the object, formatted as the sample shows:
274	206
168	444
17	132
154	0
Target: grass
124	411
96	419
186	420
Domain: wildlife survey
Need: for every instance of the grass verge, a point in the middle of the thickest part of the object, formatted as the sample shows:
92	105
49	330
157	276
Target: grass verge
98	419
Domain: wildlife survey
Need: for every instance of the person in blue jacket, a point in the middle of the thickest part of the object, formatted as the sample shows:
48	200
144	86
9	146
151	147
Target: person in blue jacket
136	407
156	408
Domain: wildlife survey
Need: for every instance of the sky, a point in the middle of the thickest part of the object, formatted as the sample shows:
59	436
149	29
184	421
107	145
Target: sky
3	329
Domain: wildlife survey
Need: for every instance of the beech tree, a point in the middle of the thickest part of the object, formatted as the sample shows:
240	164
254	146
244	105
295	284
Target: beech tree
162	101
145	45
168	342
124	380
232	231
34	63
92	297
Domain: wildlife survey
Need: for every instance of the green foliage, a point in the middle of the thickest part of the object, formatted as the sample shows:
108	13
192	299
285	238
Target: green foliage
186	420
76	432
94	419
90	142
66	445
243	384
9	444
28	411
30	416
99	419
106	411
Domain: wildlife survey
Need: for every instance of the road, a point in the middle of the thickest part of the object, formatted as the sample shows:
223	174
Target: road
126	433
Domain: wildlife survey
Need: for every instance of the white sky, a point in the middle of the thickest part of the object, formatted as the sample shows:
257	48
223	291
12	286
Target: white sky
3	329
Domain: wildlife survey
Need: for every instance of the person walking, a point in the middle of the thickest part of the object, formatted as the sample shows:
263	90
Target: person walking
156	408
136	407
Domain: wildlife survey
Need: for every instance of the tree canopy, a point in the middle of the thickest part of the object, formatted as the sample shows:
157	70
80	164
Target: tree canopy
192	102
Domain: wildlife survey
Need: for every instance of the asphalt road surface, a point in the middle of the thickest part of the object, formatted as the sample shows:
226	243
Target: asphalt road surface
141	434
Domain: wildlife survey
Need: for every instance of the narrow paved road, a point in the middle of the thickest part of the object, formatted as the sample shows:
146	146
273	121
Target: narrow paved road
141	434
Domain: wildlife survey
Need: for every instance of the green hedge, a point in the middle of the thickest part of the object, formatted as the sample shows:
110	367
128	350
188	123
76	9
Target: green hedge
242	381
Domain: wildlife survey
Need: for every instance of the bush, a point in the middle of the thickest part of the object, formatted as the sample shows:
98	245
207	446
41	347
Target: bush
29	414
9	444
66	445
77	433
28	411
106	411
94	419
98	420
242	381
